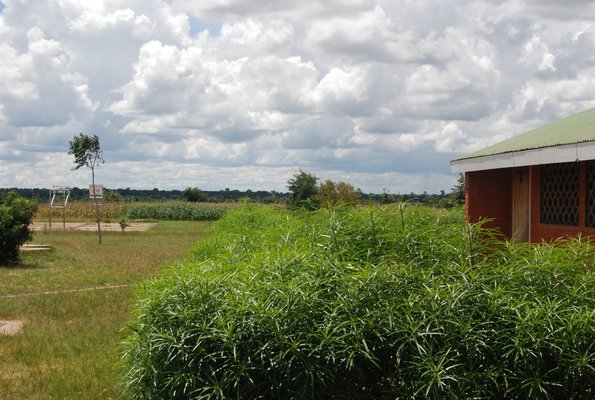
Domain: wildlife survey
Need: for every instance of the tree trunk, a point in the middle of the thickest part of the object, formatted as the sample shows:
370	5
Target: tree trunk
96	204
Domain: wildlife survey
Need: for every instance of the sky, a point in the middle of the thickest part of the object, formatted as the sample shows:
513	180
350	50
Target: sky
242	94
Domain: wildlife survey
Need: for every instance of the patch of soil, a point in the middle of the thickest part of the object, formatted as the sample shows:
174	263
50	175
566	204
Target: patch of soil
10	328
35	247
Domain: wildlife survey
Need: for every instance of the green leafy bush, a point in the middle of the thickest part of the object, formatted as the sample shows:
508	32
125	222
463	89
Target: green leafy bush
396	302
194	194
332	193
15	217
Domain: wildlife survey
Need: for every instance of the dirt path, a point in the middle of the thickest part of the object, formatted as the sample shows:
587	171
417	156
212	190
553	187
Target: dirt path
90	226
49	292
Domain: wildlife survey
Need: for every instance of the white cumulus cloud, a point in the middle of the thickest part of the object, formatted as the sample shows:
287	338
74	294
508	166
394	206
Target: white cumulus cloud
240	94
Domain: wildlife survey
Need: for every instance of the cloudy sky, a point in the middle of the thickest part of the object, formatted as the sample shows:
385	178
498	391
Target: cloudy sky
243	93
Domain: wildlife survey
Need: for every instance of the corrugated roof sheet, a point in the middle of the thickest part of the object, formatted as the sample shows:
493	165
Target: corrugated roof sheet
577	128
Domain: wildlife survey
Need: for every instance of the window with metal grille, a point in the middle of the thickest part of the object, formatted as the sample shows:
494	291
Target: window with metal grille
559	194
590	193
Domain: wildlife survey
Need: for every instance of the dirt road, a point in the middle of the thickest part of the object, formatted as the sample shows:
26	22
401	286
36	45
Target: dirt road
90	226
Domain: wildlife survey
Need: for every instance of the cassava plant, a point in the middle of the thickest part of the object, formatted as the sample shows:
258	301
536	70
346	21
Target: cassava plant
369	303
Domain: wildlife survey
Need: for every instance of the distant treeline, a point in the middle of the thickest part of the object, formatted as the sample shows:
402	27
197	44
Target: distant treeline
215	196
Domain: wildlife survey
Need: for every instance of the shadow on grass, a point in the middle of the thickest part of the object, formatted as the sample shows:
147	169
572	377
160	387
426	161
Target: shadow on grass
29	264
30	260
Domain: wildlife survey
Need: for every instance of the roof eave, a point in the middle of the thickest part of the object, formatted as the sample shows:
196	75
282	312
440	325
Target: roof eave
545	155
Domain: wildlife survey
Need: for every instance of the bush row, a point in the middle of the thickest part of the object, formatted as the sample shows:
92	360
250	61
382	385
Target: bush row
372	303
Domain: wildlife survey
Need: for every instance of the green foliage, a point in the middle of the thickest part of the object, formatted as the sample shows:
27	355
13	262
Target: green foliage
303	188
333	193
370	303
15	216
457	195
123	224
174	211
111	196
86	151
195	195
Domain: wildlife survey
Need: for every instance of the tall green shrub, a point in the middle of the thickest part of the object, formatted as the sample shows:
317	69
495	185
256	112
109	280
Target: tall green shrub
371	303
303	188
194	194
15	217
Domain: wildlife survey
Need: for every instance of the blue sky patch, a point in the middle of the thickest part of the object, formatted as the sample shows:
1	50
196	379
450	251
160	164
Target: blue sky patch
198	25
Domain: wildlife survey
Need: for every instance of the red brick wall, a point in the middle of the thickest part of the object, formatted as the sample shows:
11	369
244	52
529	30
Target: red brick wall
544	232
488	194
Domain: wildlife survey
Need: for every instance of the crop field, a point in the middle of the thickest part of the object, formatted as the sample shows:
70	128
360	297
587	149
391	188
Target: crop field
158	211
74	302
370	303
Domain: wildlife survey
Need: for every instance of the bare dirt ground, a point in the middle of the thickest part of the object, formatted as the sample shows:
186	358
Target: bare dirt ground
10	328
90	226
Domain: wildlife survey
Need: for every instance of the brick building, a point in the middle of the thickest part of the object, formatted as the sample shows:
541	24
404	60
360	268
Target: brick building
537	186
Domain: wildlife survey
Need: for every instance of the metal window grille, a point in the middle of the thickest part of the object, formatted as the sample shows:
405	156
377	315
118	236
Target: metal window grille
590	193
559	194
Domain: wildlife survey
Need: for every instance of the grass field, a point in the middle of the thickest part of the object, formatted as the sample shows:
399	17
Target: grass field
69	345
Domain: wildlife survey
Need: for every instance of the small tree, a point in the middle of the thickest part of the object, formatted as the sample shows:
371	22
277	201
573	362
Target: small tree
458	191
113	197
194	195
87	152
457	195
15	217
303	189
331	193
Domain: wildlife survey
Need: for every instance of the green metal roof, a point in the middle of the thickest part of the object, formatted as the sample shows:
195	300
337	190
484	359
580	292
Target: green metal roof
577	128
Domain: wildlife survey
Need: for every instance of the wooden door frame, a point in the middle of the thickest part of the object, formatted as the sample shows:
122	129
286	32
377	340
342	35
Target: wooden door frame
525	175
